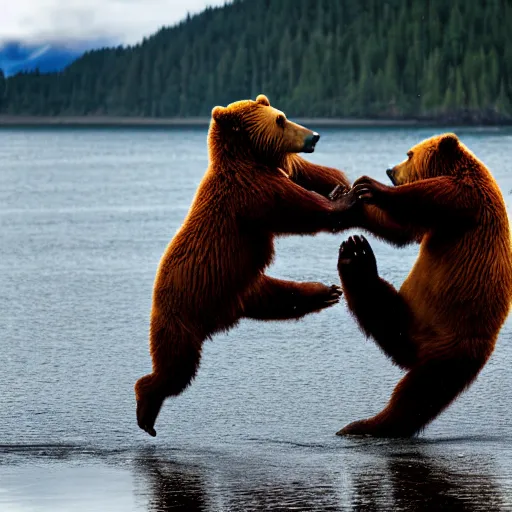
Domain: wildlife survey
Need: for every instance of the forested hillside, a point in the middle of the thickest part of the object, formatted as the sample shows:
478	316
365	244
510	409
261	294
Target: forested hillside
328	58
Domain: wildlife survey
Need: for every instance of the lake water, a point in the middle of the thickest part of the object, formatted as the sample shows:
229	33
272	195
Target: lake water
85	215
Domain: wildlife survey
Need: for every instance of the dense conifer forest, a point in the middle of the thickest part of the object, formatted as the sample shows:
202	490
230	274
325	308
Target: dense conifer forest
390	59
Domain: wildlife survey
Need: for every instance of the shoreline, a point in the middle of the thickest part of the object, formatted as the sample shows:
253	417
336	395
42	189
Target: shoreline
116	121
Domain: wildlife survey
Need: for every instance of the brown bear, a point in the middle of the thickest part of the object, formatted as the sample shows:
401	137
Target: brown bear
212	273
443	323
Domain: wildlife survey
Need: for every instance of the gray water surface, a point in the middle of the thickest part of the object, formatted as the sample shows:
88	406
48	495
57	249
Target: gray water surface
85	216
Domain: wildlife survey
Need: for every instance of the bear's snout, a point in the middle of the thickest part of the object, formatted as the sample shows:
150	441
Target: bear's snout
391	175
310	142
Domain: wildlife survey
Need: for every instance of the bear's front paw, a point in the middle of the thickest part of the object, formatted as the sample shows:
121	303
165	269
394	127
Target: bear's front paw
368	190
338	191
356	261
343	199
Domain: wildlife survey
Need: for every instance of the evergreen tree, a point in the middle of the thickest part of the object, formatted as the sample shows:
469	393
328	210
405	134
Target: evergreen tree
412	59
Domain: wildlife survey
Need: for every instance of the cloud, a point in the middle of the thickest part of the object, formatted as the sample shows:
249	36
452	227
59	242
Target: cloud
120	21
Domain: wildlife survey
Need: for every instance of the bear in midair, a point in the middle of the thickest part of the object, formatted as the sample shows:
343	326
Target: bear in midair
442	325
212	273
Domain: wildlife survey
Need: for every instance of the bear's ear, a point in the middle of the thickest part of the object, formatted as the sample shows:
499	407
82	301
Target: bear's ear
448	143
263	100
220	114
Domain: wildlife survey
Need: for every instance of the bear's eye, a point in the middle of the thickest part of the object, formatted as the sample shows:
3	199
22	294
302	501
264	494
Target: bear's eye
409	154
280	120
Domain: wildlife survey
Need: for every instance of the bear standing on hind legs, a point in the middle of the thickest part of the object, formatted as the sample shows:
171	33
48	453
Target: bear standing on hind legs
212	273
441	327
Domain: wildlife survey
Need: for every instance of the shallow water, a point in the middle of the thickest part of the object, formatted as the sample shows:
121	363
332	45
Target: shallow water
85	216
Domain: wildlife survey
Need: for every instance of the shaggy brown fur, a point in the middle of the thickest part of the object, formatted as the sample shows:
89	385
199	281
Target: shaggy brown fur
212	273
443	323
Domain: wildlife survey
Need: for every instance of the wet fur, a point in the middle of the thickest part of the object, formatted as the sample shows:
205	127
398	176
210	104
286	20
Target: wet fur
443	323
212	273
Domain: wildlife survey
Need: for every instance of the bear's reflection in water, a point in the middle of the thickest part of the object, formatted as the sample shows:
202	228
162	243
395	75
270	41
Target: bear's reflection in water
397	481
173	486
414	481
168	485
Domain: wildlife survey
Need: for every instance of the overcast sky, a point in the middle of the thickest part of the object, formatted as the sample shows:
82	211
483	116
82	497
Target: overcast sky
123	21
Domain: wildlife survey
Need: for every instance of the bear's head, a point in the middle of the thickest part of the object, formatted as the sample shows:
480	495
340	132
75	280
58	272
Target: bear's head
437	156
258	131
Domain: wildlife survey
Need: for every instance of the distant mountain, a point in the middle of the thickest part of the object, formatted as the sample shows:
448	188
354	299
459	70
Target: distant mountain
16	56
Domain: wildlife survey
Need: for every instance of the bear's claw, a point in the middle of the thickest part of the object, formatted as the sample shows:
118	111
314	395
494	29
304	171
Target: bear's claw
335	292
151	431
338	191
325	297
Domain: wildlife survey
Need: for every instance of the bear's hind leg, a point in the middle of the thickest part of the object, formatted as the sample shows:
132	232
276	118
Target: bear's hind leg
174	367
150	397
379	309
275	299
419	397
